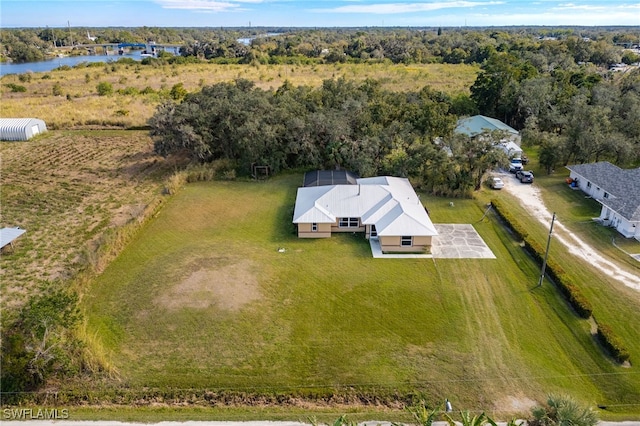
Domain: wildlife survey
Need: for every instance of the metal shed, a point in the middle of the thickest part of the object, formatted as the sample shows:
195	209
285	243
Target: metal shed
20	129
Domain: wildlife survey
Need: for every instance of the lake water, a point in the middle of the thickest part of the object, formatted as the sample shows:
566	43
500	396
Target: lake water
44	66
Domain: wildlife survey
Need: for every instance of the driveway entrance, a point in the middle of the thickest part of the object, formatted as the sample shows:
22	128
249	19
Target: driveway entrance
459	241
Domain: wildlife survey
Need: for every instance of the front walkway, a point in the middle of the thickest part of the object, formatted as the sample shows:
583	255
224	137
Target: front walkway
454	241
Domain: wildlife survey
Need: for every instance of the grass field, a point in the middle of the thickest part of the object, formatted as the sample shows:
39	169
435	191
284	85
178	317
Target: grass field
78	104
202	298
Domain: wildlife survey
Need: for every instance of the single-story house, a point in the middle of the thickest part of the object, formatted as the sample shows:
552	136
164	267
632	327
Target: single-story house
479	124
385	207
618	190
20	129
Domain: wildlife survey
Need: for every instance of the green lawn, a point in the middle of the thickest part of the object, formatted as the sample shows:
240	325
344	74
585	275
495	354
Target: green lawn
202	298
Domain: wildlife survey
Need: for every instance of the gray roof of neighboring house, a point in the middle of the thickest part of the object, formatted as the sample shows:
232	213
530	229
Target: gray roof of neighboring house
623	184
389	203
479	124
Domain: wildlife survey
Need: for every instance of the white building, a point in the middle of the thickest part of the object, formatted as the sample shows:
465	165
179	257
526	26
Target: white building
20	129
618	190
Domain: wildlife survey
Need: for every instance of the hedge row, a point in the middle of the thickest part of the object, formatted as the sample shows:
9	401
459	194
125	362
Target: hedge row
570	291
566	285
611	342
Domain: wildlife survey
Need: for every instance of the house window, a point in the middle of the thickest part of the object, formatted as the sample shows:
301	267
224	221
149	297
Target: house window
314	227
606	195
348	222
406	241
588	184
374	232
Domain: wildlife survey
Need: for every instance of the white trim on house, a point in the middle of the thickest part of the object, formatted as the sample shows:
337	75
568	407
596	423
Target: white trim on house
616	189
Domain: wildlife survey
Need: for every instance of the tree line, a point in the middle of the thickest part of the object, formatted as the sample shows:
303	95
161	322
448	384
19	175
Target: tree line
341	124
572	113
601	46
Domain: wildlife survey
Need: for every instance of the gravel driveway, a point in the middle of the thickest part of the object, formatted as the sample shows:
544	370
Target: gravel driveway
530	198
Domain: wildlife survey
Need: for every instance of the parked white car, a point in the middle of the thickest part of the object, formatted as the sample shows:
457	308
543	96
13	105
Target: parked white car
515	165
496	183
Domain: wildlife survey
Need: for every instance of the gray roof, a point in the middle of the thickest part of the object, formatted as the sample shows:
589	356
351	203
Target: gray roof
479	124
389	203
623	184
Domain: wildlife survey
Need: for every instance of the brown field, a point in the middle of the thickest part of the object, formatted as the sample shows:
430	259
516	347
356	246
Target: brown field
67	189
79	105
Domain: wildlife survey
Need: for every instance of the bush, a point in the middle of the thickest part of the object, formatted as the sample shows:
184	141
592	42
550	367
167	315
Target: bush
611	342
57	89
567	287
104	88
563	410
16	88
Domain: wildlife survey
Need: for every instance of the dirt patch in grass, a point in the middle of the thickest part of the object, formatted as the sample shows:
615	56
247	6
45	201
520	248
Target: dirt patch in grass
229	287
516	404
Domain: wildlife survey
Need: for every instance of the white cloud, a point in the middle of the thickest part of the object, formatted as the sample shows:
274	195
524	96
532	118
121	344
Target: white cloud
208	5
395	8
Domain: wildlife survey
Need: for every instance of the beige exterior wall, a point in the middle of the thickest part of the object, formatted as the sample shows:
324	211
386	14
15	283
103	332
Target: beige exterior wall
392	245
336	227
304	230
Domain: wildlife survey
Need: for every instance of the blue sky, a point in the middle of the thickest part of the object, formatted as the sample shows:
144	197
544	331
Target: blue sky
315	13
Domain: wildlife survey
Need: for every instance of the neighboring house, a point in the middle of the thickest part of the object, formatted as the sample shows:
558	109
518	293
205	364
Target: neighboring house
382	207
618	190
20	129
478	125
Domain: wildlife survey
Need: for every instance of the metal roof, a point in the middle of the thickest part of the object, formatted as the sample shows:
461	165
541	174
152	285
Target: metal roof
479	124
389	203
8	235
18	129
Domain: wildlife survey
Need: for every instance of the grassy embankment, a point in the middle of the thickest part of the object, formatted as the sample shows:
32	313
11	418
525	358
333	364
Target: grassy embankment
78	104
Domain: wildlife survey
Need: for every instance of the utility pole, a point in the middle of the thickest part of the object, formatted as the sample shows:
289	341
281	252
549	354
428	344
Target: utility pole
546	254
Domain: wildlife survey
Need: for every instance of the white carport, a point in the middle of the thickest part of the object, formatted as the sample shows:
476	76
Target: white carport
20	129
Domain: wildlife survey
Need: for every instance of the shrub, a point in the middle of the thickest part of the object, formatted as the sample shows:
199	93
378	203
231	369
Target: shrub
24	78
567	287
104	88
57	89
178	91
611	342
563	410
16	87
132	91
